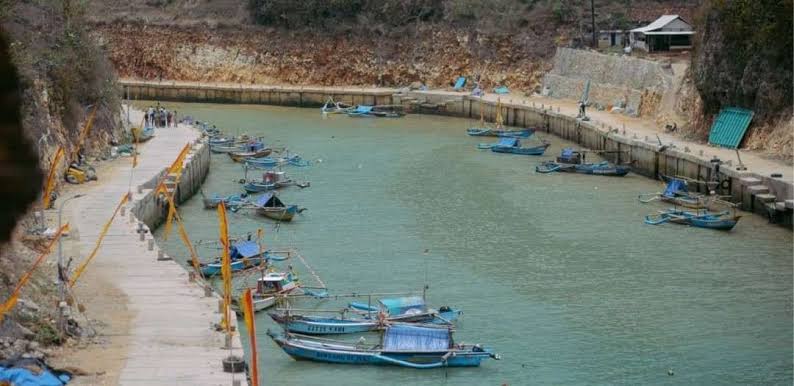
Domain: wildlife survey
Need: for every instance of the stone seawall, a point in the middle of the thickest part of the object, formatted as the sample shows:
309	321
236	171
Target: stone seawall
759	194
152	210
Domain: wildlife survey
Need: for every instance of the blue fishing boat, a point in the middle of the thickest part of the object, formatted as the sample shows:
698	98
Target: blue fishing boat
271	180
361	111
243	255
513	146
407	309
708	220
269	162
602	168
231	201
677	193
317	325
400	345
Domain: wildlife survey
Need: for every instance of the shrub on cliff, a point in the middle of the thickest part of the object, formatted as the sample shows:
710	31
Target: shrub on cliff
743	56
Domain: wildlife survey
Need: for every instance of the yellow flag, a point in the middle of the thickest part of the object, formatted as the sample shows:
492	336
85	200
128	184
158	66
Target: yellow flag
50	186
169	220
226	266
99	239
247	302
12	300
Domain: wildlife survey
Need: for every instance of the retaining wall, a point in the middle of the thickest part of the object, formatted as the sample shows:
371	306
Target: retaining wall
152	209
645	155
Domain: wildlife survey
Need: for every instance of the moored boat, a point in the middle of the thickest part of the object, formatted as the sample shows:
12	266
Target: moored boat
709	220
602	168
231	201
243	255
677	193
400	345
270	206
513	146
271	180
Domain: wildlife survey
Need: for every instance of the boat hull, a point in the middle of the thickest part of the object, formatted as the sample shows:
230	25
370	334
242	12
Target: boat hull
300	349
535	150
213	269
242	156
278	213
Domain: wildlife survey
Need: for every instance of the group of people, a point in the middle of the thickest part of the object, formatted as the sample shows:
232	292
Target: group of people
160	117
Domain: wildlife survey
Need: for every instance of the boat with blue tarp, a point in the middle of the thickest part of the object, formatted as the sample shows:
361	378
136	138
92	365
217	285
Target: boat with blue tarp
243	255
271	180
401	345
232	201
513	146
498	131
677	193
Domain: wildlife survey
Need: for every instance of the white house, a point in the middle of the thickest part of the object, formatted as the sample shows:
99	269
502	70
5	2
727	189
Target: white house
669	32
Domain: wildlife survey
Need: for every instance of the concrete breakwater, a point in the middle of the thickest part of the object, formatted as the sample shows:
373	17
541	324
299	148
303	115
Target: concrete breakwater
761	194
152	209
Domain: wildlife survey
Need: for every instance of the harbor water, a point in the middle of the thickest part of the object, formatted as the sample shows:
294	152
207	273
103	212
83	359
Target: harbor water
557	273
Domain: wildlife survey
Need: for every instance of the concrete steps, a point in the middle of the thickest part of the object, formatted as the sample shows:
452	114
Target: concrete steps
757	198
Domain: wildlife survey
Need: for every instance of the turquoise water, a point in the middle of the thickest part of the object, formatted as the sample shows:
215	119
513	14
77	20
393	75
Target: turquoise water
557	273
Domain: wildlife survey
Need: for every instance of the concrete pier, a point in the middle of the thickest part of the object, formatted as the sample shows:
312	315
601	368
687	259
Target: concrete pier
172	341
647	156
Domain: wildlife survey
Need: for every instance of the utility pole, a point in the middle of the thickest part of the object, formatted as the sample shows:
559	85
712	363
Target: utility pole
592	19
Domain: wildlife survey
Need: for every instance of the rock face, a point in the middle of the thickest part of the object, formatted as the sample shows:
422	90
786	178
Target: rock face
633	84
743	57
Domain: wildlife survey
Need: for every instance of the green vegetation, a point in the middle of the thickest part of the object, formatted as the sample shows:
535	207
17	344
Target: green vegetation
743	56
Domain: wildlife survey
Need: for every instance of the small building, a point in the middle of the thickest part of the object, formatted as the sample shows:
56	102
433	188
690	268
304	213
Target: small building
611	38
669	32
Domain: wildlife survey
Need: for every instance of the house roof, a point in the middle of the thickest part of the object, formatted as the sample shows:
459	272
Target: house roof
669	33
658	23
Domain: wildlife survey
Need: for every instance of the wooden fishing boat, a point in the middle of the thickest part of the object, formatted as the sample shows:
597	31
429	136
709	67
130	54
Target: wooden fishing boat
400	345
231	201
677	193
271	180
270	206
269	162
243	255
242	156
705	219
398	310
498	131
513	146
602	168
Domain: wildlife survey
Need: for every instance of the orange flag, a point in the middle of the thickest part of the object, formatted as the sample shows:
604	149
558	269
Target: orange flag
12	300
226	266
50	186
247	302
99	239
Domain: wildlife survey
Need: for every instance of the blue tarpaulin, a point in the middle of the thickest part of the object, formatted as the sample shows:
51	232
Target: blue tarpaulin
567	152
501	90
460	83
269	199
20	376
410	338
508	142
244	249
397	306
675	186
363	109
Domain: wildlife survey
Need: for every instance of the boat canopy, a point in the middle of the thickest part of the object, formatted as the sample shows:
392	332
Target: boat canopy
244	249
274	276
675	187
399	306
410	338
363	109
567	152
269	200
509	142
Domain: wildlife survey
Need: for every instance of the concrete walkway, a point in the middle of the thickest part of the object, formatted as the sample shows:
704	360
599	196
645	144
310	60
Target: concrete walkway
171	340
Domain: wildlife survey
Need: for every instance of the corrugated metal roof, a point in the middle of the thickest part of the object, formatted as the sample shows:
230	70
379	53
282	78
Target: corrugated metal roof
669	33
658	23
730	126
